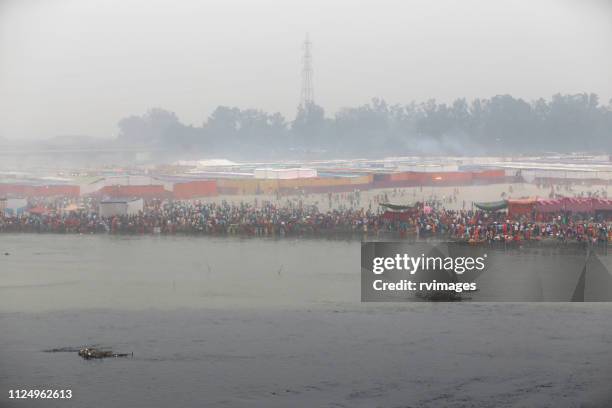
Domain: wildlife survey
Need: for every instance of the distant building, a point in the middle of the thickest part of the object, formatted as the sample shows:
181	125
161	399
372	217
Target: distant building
284	174
13	206
124	183
110	208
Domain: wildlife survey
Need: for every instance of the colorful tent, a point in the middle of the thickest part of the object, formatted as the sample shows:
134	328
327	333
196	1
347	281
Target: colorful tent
72	207
578	204
549	205
602	204
520	207
492	205
38	210
397	207
573	205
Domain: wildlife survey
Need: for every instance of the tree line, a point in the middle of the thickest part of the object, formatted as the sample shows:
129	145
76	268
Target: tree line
498	125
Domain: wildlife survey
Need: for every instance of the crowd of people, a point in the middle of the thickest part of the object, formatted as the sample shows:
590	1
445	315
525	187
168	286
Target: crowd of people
428	220
170	217
483	226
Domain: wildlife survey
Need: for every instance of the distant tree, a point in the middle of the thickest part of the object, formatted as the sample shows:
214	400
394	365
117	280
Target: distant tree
133	129
247	131
224	120
310	127
508	123
366	129
499	125
155	127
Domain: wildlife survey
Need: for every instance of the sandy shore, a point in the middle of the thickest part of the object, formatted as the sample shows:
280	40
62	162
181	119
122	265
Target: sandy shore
465	195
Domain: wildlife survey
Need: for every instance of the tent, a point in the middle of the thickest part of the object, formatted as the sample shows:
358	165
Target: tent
38	210
602	204
578	204
492	205
396	216
550	205
573	205
71	208
397	207
520	207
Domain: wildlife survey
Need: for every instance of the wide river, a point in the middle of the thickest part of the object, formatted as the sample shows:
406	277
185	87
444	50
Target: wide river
228	322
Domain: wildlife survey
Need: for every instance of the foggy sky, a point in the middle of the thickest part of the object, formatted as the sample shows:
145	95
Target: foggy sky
78	66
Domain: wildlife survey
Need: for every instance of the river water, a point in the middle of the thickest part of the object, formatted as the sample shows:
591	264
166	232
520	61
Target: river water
234	322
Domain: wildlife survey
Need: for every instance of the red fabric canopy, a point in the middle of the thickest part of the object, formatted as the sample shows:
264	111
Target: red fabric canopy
520	207
602	204
38	210
549	206
575	205
580	204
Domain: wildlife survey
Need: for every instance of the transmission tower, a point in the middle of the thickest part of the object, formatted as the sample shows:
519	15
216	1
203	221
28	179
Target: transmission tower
307	95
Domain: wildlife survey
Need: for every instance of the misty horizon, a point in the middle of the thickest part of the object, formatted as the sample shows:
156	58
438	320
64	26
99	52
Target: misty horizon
289	121
77	68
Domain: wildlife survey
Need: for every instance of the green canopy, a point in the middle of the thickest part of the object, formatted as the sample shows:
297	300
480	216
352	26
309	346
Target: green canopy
492	205
397	207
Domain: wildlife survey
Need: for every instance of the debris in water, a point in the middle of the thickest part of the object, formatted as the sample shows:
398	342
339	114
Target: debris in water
89	353
63	350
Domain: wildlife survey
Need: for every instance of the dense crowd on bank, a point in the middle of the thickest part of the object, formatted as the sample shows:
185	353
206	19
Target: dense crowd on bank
481	226
296	218
171	217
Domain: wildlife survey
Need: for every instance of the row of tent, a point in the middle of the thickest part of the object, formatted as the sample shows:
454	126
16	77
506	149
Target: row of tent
540	205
